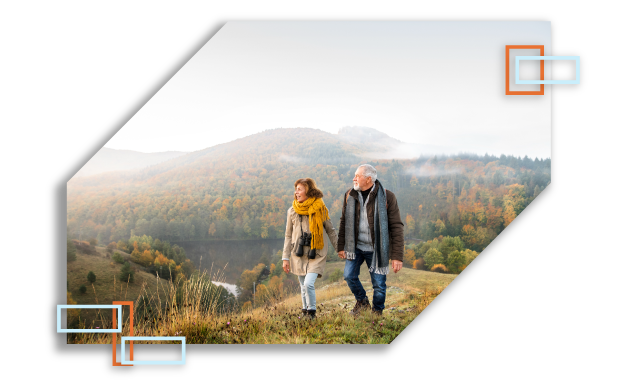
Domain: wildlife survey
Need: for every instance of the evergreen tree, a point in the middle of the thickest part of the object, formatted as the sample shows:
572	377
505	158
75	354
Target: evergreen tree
92	277
127	274
117	257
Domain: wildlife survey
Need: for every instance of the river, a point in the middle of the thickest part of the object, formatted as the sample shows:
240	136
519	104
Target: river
232	288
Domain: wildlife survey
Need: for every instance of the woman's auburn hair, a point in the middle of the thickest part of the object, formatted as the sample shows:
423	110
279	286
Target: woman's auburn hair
310	186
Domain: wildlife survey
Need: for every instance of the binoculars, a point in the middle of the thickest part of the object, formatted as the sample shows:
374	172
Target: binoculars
305	240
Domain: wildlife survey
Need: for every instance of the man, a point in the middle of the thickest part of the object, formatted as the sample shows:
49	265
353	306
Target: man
371	231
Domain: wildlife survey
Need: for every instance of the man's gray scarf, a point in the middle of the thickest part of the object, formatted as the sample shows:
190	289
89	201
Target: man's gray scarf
379	264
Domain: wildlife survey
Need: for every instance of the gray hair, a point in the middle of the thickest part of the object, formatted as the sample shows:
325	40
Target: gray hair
369	171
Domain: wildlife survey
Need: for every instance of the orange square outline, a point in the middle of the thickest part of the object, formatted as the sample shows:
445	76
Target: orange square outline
131	331
507	49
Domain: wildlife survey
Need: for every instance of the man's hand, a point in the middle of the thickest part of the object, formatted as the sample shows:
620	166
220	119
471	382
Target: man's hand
341	254
286	266
397	265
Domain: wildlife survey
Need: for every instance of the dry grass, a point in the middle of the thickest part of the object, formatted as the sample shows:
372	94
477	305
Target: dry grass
189	310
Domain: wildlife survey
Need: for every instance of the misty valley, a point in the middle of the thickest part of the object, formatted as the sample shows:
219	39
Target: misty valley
166	235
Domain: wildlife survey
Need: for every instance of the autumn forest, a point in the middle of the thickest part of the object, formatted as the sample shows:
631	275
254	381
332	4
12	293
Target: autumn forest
242	190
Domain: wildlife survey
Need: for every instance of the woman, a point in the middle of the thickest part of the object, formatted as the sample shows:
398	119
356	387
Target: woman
305	250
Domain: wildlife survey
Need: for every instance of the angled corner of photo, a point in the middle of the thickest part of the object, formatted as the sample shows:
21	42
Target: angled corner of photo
192	205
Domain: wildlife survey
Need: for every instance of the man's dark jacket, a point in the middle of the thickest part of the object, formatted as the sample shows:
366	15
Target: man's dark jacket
395	224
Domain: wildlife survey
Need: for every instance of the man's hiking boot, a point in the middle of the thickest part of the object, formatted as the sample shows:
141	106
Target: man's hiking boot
360	306
376	312
311	313
304	311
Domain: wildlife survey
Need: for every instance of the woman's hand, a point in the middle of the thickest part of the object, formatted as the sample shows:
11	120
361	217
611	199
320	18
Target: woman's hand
341	254
286	266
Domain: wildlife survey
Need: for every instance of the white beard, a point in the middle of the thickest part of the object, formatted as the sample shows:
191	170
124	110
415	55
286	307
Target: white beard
356	187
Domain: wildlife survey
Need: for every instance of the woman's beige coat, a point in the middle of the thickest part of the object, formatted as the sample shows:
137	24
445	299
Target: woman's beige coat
302	265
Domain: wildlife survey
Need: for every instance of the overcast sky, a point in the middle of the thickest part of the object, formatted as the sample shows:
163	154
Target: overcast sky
438	84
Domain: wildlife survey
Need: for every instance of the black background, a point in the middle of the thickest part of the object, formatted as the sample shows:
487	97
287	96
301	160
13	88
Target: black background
512	302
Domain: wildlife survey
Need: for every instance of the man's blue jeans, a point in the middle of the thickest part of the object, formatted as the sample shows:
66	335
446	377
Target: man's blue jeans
352	270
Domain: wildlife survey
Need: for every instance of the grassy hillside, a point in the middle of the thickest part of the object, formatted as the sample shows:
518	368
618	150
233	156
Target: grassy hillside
107	287
408	293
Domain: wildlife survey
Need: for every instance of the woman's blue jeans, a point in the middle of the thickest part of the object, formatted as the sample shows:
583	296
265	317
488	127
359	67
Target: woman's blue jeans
308	290
352	271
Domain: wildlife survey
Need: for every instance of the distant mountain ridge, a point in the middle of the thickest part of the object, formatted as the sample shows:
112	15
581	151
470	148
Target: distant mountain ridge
108	159
366	135
287	144
297	145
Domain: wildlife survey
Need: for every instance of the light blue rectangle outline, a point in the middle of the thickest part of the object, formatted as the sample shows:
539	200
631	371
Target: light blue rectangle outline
517	71
126	338
120	317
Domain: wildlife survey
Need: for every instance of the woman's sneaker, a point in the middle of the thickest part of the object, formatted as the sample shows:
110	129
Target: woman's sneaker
360	306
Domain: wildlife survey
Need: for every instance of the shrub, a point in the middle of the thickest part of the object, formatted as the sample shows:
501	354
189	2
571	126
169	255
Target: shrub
118	258
439	268
122	245
92	277
82	289
335	275
127	274
93	241
111	246
418	264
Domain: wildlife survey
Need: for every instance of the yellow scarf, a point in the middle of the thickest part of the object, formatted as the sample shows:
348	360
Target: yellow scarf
318	213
